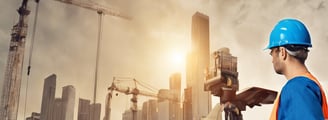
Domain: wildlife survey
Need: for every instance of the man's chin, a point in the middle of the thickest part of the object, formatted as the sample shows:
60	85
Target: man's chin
278	72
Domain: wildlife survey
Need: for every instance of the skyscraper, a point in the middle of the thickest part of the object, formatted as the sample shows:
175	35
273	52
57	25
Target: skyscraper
95	109
68	102
83	111
88	111
164	110
128	115
57	112
57	108
175	110
48	98
197	62
175	85
150	110
187	107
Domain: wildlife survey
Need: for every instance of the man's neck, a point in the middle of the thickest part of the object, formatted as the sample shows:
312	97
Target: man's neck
295	70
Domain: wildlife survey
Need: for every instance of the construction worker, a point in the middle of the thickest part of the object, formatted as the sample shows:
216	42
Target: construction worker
302	97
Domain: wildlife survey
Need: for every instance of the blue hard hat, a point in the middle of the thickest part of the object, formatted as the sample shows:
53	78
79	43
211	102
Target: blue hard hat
289	32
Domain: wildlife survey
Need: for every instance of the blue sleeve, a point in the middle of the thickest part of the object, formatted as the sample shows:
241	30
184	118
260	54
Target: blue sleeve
300	100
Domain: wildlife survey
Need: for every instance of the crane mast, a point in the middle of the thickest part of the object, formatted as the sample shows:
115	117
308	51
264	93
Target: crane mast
101	10
9	100
13	73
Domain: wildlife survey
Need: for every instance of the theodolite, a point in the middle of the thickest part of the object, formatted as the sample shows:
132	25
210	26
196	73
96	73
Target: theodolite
222	81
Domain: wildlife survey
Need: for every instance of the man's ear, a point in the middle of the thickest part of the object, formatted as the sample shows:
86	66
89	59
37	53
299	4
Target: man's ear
283	53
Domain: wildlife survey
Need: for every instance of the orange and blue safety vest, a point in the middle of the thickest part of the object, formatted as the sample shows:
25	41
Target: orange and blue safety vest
301	98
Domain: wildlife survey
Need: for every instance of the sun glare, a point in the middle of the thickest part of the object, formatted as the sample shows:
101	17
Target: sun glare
177	60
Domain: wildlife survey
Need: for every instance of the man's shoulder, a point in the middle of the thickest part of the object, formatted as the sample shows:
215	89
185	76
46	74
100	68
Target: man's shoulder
301	82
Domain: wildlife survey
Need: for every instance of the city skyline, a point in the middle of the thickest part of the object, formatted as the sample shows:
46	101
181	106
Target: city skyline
66	37
57	108
62	108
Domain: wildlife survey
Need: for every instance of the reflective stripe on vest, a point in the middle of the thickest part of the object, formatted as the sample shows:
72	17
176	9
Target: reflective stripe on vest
274	113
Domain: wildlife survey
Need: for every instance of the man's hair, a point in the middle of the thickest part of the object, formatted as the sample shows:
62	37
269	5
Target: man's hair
299	52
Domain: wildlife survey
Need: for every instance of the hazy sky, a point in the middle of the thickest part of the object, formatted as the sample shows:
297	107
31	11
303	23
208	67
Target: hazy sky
65	44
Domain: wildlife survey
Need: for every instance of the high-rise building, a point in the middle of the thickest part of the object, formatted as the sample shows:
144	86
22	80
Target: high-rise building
175	110
128	115
68	102
59	108
169	109
197	62
95	109
57	112
48	98
83	110
164	110
187	107
150	110
175	85
87	111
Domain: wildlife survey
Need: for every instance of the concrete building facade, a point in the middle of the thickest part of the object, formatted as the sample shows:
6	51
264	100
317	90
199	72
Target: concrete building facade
87	111
175	85
48	98
68	102
128	115
95	111
83	110
197	62
150	110
175	110
57	112
164	110
187	107
57	108
169	109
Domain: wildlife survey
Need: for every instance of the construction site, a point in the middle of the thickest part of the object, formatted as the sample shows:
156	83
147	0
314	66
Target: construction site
103	62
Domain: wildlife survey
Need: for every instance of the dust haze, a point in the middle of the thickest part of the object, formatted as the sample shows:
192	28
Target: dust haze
66	39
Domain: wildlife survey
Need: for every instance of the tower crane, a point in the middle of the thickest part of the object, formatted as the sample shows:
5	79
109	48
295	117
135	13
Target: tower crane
100	10
134	91
13	74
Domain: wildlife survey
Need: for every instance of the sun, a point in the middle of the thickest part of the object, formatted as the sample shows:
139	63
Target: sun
177	60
